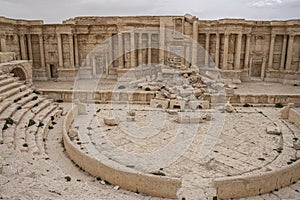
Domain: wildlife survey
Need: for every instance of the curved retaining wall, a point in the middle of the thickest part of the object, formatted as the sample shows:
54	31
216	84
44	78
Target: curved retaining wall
104	96
116	174
245	186
294	116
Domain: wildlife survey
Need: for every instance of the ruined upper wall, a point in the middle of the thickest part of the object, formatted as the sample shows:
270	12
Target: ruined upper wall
20	21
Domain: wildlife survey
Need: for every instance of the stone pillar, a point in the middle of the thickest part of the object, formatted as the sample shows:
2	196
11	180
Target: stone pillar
133	49
29	47
217	55
22	45
77	64
195	43
289	55
162	43
187	55
263	69
283	52
120	50
206	49
271	53
247	52
59	50
94	66
149	49
238	47
42	52
71	51
140	50
3	43
225	54
110	53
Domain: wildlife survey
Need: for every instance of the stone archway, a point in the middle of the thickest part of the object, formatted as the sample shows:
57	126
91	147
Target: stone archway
19	72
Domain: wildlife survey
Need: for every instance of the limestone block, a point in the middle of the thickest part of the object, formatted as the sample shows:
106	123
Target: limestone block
204	104
186	92
296	145
73	133
198	92
232	86
209	117
81	107
175	102
130	118
111	121
196	119
284	113
182	118
194	105
273	130
229	91
172	112
211	75
131	113
163	103
229	108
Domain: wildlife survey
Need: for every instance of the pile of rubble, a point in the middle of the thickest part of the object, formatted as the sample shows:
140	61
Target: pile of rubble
182	88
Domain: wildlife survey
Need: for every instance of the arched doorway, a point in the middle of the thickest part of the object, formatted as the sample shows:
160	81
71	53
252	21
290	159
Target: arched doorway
18	72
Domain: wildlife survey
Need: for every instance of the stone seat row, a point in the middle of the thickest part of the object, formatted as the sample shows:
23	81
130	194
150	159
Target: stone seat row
25	116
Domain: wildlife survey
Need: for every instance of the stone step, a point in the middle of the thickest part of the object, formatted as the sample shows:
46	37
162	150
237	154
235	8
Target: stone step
53	116
26	102
53	112
8	87
7	80
9	112
8	135
22	117
4	105
5	75
13	91
1	132
31	131
18	95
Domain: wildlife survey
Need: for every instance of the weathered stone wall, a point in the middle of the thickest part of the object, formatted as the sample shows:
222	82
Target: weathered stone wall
242	49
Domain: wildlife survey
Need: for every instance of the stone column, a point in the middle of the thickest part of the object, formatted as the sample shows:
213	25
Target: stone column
225	54
289	55
42	52
3	43
238	47
59	50
120	50
29	47
271	53
217	55
140	50
283	52
263	69
162	43
149	49
71	51
206	50
110	53
77	64
247	52
132	47
195	43
94	66
22	45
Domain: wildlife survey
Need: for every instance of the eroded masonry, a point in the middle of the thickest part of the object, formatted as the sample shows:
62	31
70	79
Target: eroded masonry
166	106
243	50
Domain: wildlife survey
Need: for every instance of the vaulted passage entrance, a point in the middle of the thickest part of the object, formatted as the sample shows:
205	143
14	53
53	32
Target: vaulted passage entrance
18	72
